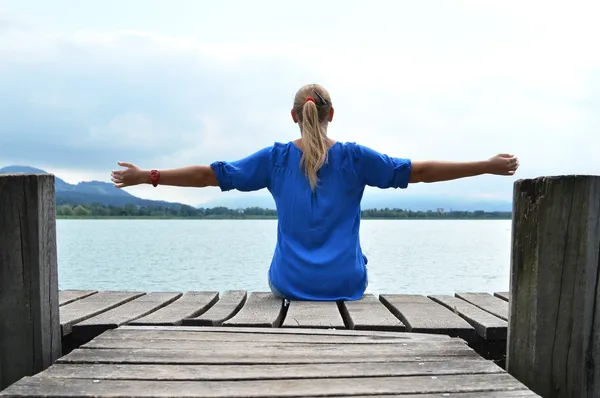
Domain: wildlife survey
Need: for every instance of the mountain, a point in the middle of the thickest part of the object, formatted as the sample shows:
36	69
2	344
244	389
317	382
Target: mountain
105	194
90	191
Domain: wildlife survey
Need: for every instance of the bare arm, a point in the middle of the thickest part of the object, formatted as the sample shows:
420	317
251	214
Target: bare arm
435	171
189	176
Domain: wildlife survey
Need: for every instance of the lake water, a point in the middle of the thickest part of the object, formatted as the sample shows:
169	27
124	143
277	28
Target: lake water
405	256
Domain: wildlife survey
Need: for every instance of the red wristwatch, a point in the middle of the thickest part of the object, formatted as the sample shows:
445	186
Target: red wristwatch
154	176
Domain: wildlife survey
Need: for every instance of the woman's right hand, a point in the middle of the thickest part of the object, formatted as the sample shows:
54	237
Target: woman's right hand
131	175
503	164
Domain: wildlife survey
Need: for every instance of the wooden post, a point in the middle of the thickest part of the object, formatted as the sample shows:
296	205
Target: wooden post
554	317
30	337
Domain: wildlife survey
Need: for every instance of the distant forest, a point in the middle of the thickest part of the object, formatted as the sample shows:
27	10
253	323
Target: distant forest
189	212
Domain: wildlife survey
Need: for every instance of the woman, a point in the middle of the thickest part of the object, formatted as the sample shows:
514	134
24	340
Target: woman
317	184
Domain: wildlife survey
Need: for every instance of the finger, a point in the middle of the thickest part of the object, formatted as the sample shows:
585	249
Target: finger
505	155
125	164
117	172
120	185
116	180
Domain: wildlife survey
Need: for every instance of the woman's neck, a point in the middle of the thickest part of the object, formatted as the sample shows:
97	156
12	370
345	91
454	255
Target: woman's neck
298	143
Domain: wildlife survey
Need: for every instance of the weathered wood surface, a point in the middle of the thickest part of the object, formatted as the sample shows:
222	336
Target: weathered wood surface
492	304
91	306
227	306
92	314
260	310
369	314
283	333
313	314
488	326
68	296
190	305
269	371
421	314
124	313
553	345
503	295
30	338
237	369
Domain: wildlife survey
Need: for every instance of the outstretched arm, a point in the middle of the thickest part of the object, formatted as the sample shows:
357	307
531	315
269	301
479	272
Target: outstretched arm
189	176
435	171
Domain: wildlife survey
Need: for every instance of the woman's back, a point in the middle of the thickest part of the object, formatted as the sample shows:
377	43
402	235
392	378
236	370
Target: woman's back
318	254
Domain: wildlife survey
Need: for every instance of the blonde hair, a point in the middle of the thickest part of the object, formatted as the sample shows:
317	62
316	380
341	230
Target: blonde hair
312	106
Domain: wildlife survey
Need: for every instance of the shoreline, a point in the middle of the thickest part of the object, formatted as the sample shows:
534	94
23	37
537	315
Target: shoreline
272	218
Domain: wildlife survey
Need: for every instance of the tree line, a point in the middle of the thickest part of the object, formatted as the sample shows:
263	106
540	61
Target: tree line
184	211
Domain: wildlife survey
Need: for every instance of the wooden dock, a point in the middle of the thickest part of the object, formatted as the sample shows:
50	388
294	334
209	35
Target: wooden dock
470	316
192	361
240	344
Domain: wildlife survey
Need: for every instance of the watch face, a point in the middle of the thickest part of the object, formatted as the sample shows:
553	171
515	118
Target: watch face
154	177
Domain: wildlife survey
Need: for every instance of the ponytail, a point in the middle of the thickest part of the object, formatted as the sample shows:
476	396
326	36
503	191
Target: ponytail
314	142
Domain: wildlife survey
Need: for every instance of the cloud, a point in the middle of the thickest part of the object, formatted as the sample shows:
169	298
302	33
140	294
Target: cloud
463	80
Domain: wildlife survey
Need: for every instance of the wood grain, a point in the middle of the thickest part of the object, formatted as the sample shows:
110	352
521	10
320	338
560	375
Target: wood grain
494	305
52	387
234	336
265	346
30	338
91	306
553	344
227	306
486	394
287	331
313	314
214	354
369	314
169	361
488	326
421	314
68	296
260	310
124	313
269	371
190	305
503	295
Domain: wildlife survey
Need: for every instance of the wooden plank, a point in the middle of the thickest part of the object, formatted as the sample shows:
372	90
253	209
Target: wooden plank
420	314
313	314
486	325
50	387
369	314
224	354
554	342
68	296
227	306
261	310
268	371
234	336
487	302
189	305
287	331
93	305
30	338
503	295
129	311
192	345
488	394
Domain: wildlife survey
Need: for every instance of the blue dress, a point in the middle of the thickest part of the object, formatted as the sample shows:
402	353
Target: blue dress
318	254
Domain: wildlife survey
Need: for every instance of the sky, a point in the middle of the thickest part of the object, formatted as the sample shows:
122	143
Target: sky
165	84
